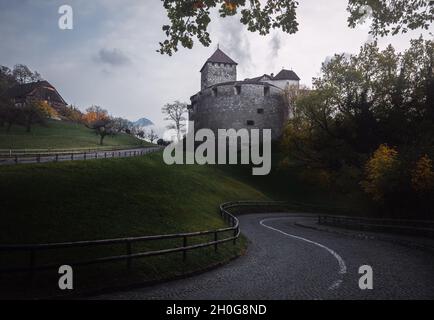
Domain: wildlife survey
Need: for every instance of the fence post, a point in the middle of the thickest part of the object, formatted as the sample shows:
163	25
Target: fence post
85	155
57	157
105	155
215	239
129	254
184	252
16	159
38	158
72	156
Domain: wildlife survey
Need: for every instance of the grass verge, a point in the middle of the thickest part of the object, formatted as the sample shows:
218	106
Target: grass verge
60	135
85	200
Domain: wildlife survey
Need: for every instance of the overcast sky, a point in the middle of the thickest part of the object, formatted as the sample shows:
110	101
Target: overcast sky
110	59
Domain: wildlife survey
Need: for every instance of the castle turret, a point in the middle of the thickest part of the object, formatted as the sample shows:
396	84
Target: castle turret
217	69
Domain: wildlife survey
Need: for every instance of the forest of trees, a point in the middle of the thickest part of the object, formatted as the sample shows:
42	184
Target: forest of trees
370	120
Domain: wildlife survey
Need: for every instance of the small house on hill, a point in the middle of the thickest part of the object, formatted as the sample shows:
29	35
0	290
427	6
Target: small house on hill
35	91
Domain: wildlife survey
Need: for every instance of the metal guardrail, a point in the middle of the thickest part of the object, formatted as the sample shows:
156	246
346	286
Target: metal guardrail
34	249
75	155
233	228
401	226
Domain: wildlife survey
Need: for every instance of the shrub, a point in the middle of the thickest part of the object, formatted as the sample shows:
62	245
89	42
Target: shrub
382	173
422	176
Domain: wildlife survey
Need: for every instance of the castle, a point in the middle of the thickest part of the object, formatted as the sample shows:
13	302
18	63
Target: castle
224	102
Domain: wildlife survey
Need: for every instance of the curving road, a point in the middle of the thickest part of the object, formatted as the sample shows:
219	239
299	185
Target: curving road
286	261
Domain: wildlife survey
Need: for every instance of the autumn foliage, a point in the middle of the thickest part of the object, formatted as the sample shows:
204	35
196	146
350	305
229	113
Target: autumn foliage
47	110
381	170
422	176
95	114
369	123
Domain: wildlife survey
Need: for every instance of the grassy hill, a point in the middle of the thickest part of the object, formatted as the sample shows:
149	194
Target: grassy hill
59	134
116	198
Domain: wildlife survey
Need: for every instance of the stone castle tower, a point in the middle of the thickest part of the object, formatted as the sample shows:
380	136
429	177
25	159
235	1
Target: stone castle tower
226	103
217	69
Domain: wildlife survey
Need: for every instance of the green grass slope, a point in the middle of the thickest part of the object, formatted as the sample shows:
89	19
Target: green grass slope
112	198
99	199
59	134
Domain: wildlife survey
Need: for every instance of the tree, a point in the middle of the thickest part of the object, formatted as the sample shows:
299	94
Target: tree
382	170
71	113
161	142
34	112
141	134
7	79
175	112
362	101
190	19
23	74
359	105
9	114
47	110
121	125
151	136
422	176
98	119
393	17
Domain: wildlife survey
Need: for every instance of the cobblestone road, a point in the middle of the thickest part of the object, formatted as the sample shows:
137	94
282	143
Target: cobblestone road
286	261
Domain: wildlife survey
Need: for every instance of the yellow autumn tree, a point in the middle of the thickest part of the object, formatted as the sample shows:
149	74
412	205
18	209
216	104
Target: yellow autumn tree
381	172
422	176
47	110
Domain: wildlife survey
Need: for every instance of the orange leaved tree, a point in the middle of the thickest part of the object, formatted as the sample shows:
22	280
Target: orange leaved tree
98	119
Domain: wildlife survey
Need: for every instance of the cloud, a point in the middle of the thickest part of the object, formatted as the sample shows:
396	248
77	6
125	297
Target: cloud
114	57
275	45
234	40
110	57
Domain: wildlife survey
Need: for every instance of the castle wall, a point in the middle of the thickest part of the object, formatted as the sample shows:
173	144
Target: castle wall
283	84
223	107
214	73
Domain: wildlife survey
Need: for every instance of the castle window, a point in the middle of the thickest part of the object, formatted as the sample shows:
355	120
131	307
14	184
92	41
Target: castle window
260	111
214	92
237	90
250	122
266	91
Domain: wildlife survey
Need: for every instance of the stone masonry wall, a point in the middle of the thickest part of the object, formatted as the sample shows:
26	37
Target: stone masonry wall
214	73
223	107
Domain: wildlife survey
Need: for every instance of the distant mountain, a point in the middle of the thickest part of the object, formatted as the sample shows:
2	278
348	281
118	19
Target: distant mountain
143	122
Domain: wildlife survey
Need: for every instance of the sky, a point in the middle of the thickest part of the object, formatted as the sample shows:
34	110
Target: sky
109	58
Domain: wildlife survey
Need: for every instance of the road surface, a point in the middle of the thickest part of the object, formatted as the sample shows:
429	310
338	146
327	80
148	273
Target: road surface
286	261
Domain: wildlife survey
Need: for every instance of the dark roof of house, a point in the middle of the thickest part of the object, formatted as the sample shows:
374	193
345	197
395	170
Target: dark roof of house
219	57
26	89
286	75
